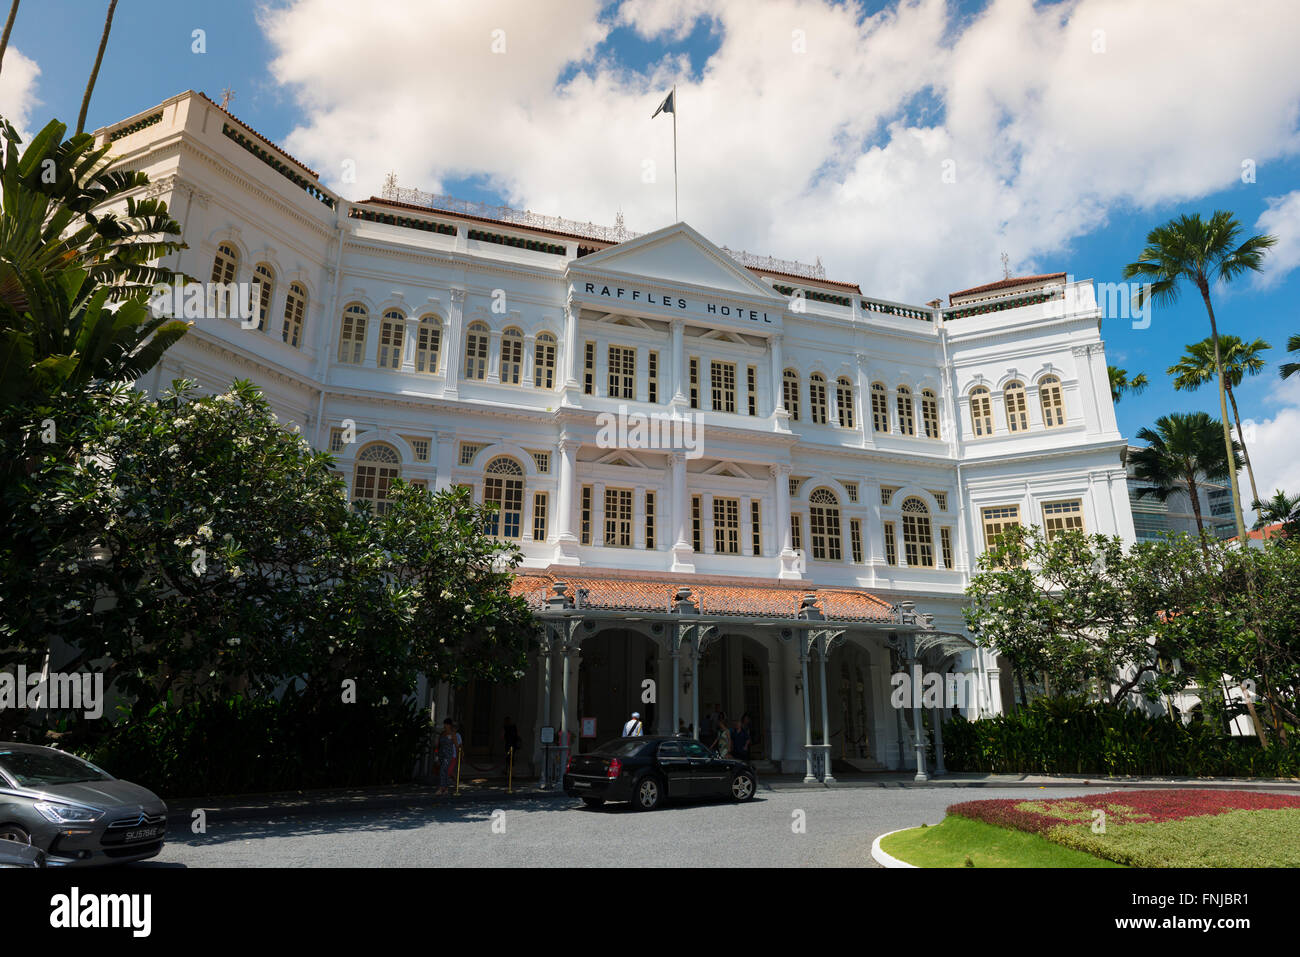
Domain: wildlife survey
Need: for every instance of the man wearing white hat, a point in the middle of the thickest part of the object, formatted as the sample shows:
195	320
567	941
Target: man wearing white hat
633	728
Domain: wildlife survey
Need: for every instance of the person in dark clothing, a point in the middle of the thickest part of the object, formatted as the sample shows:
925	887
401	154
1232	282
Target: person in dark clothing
511	735
740	741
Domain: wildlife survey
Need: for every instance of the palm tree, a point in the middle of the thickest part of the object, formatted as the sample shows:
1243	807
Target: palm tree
1280	508
1288	369
1182	451
1196	368
9	25
1201	251
1121	384
94	71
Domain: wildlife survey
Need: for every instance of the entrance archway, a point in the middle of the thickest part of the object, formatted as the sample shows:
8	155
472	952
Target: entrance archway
615	662
734	675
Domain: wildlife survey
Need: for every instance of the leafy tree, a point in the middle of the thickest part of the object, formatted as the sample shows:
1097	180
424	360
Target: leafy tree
1196	367
1200	252
1183	448
1121	384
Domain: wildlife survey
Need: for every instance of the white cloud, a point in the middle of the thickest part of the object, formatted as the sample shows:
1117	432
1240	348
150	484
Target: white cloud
1273	449
18	90
1047	122
1281	219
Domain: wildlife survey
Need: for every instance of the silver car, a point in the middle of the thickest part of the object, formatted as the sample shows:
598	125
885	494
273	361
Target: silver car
74	812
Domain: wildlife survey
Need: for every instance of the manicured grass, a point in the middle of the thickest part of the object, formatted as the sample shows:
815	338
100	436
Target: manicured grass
1264	838
951	843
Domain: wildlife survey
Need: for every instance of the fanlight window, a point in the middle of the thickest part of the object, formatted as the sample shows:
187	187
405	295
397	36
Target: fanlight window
981	411
377	466
844	402
512	356
503	487
906	417
1017	408
295	308
790	393
391	333
428	344
1049	395
824	521
352	336
476	351
879	407
918	540
544	361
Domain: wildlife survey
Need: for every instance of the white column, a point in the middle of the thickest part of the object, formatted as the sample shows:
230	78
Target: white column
530	360
678	365
808	777
786	556
778	376
598	513
566	542
683	553
446	459
569	357
706	522
638	518
828	778
409	332
453	342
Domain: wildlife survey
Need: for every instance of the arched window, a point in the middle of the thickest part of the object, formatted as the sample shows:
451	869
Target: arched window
503	486
1049	394
512	356
790	393
824	521
295	309
1017	409
930	414
378	464
879	407
906	415
352	336
844	402
264	279
817	398
918	542
981	411
476	351
428	343
544	361
392	331
225	266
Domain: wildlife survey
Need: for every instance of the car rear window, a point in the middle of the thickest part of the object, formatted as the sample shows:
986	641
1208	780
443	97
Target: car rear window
47	768
625	747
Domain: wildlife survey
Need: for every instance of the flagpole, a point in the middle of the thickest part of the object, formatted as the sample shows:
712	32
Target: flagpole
676	217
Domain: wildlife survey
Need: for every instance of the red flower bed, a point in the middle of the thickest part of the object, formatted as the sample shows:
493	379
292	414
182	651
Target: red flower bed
1121	807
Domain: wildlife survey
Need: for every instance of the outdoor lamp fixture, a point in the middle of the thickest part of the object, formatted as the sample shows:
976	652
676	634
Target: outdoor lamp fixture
798	683
686	679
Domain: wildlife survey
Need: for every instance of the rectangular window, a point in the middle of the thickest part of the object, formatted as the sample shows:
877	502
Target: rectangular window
622	372
539	516
697	532
1061	517
726	526
467	452
723	381
586	515
945	539
886	493
891	549
652	371
650	542
879	408
543	462
997	519
817	399
855	539
618	517
852	489
751	386
420	449
940	500
589	369
796	530
694	378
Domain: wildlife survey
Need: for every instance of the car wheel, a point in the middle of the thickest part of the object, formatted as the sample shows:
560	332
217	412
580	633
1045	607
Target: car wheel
593	802
743	786
649	793
12	832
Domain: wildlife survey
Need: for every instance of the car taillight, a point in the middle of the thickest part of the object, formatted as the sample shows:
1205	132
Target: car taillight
569	766
615	768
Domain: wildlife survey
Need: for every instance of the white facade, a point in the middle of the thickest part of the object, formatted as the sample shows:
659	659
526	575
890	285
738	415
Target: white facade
1018	357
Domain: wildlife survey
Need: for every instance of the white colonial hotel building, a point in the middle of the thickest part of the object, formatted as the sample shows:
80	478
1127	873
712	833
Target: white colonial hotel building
856	453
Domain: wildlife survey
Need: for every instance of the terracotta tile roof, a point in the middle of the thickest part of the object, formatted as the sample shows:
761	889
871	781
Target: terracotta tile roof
1005	284
1268	531
712	596
260	136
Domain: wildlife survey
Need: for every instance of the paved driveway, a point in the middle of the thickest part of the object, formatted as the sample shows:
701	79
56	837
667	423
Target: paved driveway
838	826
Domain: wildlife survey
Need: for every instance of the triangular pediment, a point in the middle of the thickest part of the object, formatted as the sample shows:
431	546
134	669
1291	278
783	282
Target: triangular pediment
676	255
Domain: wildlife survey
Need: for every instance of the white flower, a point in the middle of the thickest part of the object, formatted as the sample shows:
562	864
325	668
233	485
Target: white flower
233	641
235	571
205	532
73	604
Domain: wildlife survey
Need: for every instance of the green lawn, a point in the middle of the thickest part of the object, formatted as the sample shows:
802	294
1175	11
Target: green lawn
951	843
1263	838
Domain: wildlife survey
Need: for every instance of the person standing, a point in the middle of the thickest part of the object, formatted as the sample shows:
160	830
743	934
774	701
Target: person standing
448	755
633	727
740	740
723	743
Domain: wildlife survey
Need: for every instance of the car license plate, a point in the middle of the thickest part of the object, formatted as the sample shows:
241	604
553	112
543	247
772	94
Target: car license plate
582	784
142	834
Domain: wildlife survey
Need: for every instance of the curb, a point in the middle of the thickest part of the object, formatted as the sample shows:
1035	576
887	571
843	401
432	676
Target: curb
888	860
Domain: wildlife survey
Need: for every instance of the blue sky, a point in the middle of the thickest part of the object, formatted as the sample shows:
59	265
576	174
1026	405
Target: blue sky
634	50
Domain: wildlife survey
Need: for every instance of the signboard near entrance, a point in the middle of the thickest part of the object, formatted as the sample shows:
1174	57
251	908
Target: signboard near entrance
548	735
588	727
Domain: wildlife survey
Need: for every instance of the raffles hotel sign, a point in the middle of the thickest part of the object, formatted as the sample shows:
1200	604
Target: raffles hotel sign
702	307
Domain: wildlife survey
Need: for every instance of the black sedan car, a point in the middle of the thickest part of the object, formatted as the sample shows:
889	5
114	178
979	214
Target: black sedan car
73	811
647	771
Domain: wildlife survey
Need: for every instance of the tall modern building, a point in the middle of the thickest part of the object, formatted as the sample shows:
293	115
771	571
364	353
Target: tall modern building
738	484
1153	519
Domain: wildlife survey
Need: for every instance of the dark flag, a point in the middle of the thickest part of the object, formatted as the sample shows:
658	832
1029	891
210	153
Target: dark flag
667	106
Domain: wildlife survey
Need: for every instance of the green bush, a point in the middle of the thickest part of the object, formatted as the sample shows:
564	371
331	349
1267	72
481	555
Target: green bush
243	745
1073	736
